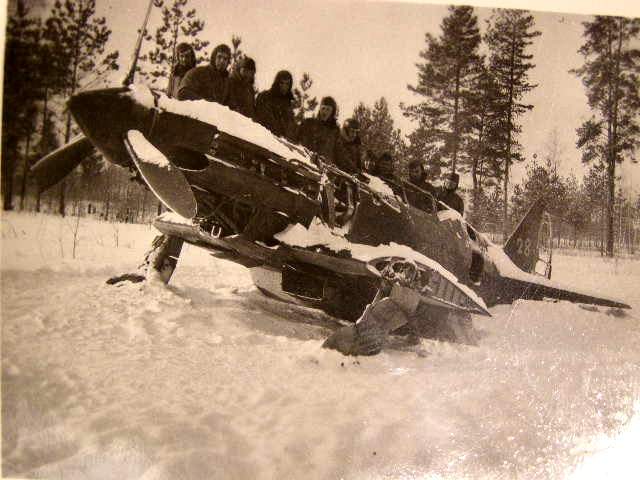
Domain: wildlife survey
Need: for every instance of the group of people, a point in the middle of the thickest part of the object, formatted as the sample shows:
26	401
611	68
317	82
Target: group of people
273	108
445	194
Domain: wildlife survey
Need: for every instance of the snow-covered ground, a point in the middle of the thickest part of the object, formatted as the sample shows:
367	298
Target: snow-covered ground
208	379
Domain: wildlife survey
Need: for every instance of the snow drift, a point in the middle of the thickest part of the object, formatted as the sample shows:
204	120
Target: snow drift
208	379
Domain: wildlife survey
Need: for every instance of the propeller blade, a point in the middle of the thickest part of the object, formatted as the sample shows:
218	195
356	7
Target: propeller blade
53	167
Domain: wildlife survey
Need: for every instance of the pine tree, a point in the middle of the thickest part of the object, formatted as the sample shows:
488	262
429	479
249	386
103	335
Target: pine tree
80	40
177	26
445	79
596	193
303	102
610	75
378	133
576	211
509	34
48	141
423	147
541	181
487	209
236	53
20	92
52	68
484	134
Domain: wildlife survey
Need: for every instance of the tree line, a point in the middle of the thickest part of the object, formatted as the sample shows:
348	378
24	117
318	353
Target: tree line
471	89
46	61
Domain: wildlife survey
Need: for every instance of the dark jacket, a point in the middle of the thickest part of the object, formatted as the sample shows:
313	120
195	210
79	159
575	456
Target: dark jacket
381	168
241	96
206	83
419	200
425	185
452	199
348	154
274	110
180	70
174	80
320	137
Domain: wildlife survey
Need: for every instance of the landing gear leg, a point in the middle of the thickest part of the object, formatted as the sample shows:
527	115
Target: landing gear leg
162	259
159	262
414	331
384	315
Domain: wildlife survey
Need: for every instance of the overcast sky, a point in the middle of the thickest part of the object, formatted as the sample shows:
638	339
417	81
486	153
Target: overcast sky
361	51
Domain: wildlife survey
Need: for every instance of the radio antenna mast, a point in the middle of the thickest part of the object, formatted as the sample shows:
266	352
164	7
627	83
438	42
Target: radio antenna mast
128	80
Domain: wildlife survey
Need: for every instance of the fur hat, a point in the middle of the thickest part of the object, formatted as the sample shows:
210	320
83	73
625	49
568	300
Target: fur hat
275	87
329	101
220	48
184	47
248	63
334	106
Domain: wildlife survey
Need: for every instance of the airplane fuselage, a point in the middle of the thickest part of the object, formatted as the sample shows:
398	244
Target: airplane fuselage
238	192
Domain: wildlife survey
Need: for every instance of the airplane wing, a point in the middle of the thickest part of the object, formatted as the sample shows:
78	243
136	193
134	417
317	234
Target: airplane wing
515	283
394	263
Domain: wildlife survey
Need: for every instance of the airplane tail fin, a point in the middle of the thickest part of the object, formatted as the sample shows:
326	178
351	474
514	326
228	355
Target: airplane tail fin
524	244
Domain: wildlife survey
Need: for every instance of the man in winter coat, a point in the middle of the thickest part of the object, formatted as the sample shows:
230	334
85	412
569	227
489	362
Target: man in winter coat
349	148
210	82
418	177
383	166
242	90
274	107
320	134
448	195
185	61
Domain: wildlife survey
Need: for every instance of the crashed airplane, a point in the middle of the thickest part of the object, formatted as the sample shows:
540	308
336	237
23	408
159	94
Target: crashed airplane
353	246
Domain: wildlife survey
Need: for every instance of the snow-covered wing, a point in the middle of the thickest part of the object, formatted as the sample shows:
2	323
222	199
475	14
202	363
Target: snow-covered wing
536	286
439	283
225	120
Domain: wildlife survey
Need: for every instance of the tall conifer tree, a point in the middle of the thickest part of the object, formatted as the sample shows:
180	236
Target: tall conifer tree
80	39
20	91
445	78
509	34
178	25
377	130
423	147
611	76
483	120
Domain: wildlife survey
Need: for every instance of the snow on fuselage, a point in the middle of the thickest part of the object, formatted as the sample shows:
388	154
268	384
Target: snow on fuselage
107	115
